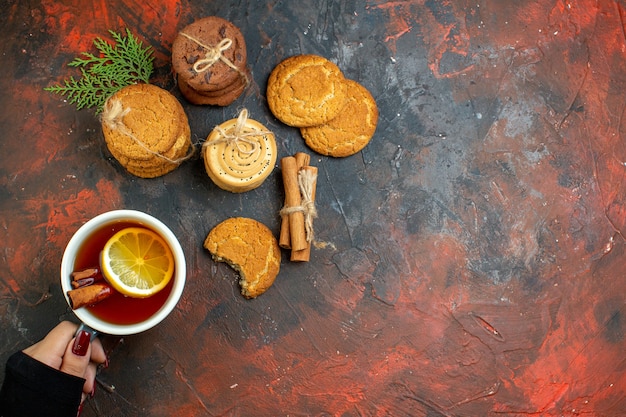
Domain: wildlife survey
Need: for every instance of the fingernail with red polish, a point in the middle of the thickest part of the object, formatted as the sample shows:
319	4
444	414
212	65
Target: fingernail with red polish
80	409
93	391
81	343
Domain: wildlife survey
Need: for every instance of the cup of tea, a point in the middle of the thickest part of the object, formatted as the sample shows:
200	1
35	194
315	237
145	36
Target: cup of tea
119	314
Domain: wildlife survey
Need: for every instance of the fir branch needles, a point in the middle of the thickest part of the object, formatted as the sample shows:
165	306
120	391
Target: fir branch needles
126	63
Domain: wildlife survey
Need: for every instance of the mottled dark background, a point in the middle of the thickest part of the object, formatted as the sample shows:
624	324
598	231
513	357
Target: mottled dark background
475	258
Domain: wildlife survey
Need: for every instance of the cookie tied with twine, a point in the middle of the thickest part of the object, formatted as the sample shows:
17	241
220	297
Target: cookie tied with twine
239	154
146	130
209	58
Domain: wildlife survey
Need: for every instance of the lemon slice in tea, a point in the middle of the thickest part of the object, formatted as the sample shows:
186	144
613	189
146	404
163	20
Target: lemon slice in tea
137	262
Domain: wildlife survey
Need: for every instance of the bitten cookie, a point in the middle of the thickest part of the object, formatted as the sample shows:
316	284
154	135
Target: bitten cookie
250	248
351	130
306	90
209	54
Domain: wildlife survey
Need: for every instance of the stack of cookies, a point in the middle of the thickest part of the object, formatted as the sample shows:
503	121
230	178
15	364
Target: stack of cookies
146	130
209	59
239	154
336	116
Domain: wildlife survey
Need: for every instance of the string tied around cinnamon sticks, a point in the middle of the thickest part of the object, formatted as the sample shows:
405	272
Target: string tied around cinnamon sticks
298	212
306	182
213	54
238	135
113	116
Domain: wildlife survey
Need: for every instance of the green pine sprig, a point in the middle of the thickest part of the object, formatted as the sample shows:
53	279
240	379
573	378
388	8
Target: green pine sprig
115	67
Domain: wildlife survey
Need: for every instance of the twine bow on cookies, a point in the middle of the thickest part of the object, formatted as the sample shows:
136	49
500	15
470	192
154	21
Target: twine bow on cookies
238	136
213	54
113	114
113	117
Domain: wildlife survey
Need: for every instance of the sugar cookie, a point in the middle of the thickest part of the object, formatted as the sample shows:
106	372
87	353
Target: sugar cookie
306	90
351	130
250	248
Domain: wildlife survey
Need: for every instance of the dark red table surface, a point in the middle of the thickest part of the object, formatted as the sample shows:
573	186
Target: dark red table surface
475	258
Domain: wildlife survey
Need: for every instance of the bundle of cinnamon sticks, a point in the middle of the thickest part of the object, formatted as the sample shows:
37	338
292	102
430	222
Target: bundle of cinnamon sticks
300	182
89	287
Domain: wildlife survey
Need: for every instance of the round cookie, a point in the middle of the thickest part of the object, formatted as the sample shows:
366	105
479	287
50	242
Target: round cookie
146	130
351	130
239	165
141	120
306	90
192	54
159	165
250	248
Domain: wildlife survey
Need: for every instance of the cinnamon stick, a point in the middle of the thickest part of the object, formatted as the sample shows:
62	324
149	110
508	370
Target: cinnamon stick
302	159
83	282
86	277
305	254
284	240
293	200
85	273
89	295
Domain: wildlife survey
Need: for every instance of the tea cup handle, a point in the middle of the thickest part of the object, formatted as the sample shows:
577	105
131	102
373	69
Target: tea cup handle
88	329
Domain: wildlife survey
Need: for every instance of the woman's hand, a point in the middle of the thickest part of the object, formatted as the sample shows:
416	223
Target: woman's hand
72	355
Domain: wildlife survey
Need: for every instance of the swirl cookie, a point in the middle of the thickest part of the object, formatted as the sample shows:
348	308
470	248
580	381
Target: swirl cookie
351	130
306	90
250	248
239	154
146	130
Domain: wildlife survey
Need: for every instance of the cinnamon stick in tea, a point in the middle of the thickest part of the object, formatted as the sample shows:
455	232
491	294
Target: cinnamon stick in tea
82	282
89	294
85	273
86	277
293	199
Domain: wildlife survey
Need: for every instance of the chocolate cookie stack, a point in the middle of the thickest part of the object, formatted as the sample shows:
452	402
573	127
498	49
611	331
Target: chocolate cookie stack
210	61
146	130
336	116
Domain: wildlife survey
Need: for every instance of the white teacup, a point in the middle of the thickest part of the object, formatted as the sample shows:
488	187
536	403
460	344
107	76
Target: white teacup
88	230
